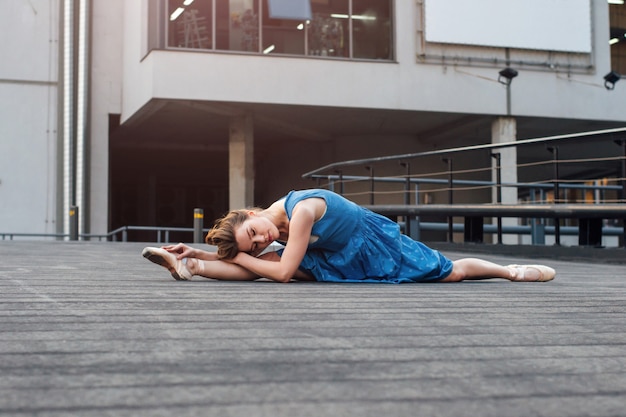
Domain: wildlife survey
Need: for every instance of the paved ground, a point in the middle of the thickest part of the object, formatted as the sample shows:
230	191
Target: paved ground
93	329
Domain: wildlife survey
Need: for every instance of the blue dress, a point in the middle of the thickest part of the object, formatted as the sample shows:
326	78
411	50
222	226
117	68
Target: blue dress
353	244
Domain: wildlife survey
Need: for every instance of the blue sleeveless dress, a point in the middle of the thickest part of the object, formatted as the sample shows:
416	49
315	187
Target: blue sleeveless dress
352	244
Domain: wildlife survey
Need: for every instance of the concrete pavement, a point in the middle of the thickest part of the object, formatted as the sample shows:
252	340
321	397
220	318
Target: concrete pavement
93	329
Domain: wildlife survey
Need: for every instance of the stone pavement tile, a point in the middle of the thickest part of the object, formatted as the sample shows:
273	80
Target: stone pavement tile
93	329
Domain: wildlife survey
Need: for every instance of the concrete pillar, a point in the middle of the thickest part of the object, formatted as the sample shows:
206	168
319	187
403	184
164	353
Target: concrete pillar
241	162
504	129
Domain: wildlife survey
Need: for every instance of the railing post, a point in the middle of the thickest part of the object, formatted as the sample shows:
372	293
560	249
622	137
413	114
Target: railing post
498	158
450	197
198	223
415	220
340	182
73	222
557	226
622	143
407	197
371	170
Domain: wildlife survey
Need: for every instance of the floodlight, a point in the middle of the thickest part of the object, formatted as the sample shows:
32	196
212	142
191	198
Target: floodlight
610	79
506	75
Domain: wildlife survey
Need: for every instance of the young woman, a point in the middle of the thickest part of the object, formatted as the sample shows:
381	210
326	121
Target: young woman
327	238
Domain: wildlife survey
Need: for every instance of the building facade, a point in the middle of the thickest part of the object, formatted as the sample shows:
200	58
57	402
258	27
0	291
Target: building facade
139	111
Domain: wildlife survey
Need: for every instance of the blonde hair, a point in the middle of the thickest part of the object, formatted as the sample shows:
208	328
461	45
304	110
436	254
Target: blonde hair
222	234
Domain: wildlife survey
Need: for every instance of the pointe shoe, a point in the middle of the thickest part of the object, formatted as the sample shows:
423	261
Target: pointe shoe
168	260
545	273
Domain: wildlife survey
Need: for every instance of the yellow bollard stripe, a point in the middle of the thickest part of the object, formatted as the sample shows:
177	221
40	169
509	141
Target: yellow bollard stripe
198	216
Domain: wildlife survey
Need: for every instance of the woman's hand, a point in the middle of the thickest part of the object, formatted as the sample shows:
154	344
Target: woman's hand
181	251
185	251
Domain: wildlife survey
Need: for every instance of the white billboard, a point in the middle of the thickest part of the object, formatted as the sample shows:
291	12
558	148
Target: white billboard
552	25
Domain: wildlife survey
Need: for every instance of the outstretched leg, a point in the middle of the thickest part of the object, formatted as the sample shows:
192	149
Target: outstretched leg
186	268
220	270
475	269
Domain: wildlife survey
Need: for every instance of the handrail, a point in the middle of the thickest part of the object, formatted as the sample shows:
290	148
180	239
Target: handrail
585	135
335	177
11	235
590	215
112	234
561	211
125	229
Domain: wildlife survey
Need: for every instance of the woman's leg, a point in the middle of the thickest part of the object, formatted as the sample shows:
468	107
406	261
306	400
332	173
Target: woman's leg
184	269
474	269
220	270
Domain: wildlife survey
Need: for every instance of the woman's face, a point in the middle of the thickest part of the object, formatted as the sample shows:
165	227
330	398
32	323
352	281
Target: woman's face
255	234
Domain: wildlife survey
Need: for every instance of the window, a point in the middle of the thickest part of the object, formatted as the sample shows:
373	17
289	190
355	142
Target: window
190	24
360	29
617	15
237	25
282	35
371	22
329	30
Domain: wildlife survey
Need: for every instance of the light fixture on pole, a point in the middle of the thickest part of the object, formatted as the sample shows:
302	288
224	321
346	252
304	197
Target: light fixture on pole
610	79
506	75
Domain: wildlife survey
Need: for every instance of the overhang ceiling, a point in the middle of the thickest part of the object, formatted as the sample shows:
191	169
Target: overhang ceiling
171	124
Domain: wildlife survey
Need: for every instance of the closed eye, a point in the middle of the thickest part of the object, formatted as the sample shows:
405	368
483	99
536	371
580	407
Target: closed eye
251	234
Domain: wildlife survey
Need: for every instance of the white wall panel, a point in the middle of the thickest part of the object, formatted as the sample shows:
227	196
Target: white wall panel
28	115
27	159
29	33
553	25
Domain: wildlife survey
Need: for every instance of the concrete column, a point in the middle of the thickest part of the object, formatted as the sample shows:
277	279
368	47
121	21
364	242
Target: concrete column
241	162
504	129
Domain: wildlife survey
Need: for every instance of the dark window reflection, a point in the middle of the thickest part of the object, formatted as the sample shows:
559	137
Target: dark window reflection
371	21
329	30
359	29
282	36
237	25
190	24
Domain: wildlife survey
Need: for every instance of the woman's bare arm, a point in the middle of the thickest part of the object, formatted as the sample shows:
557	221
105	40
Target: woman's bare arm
300	226
228	271
185	251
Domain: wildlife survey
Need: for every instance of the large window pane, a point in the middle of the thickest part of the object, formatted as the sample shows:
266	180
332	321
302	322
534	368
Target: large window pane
237	25
372	28
360	29
617	15
189	24
282	36
329	33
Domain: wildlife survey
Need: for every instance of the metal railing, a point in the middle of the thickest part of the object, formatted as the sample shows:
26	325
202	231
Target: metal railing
162	233
336	179
332	173
334	167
